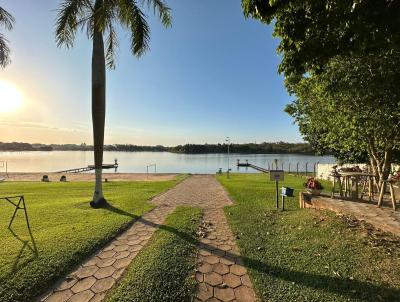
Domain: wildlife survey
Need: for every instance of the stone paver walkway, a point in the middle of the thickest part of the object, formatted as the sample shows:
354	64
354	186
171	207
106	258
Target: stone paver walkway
92	280
384	218
221	275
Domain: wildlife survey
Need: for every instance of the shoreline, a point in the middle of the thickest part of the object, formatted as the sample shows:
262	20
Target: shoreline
76	177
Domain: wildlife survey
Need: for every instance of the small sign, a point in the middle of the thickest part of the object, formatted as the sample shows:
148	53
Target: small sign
276	175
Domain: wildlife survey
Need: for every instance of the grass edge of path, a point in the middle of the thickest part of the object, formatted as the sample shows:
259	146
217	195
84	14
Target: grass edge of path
164	269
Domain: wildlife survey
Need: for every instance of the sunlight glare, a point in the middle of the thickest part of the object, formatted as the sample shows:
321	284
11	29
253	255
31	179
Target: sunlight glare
10	97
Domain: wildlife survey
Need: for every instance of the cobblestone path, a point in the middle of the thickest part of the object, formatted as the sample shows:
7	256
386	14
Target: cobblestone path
220	273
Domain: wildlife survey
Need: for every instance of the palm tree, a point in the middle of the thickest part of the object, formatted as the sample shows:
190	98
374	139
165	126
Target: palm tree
99	18
6	21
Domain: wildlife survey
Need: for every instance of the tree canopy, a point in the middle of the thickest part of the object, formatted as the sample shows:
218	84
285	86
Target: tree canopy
314	31
352	108
74	15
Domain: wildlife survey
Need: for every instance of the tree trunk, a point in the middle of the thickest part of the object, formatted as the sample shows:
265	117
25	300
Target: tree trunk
98	110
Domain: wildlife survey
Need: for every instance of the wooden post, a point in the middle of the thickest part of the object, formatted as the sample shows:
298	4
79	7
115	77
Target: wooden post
392	196
381	193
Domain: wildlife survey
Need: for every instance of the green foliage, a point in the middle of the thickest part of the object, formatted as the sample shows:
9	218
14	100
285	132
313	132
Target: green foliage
312	32
62	225
7	22
307	255
163	271
263	148
102	16
352	108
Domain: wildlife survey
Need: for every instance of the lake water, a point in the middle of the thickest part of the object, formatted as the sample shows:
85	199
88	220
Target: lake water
166	162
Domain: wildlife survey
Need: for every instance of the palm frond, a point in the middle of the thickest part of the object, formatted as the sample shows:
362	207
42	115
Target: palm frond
164	12
69	19
4	52
134	19
111	46
6	19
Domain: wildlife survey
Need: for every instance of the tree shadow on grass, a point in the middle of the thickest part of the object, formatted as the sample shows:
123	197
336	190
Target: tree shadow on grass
353	289
111	208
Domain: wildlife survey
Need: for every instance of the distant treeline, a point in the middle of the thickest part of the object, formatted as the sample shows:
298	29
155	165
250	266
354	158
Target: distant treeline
262	148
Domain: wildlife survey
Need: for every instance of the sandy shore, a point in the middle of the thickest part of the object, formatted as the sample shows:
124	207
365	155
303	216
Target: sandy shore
88	176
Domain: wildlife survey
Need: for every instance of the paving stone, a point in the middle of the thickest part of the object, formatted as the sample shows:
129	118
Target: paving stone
83	285
98	297
224	294
106	262
85	272
67	284
103	285
213	279
227	260
121	248
199	277
211	259
105	272
244	294
60	296
204	291
231	280
238	270
220	268
84	296
121	263
105	255
205	268
118	273
91	261
246	280
135	248
121	255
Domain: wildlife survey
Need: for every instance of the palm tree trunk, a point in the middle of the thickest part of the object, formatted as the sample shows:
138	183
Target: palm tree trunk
98	111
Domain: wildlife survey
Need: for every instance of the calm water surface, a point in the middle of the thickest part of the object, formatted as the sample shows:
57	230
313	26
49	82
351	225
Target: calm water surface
137	161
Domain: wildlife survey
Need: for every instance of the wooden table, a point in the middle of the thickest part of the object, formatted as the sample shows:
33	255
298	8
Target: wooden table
351	182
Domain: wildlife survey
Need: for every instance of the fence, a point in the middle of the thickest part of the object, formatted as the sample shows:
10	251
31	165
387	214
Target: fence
297	168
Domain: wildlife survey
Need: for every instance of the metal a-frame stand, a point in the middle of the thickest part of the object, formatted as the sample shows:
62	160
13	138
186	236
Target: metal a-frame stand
19	205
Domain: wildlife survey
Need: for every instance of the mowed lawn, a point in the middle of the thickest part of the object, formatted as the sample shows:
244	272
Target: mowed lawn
305	254
65	230
164	270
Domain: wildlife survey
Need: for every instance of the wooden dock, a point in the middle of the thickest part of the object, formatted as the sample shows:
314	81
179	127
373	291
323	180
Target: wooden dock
248	165
88	168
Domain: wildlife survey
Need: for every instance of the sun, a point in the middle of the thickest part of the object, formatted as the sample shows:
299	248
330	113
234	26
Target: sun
10	97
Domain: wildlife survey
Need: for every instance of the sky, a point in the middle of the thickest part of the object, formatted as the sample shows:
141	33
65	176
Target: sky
211	75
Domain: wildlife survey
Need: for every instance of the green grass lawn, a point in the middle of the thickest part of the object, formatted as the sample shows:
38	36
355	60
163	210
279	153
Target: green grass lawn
308	255
65	230
163	270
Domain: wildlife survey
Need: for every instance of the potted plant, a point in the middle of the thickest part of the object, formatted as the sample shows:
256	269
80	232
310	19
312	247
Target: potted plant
313	186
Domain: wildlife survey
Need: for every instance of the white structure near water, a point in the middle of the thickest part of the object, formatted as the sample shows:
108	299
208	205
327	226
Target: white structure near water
323	171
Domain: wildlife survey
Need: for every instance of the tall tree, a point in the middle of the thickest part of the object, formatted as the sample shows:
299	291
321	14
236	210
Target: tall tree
6	21
353	108
100	18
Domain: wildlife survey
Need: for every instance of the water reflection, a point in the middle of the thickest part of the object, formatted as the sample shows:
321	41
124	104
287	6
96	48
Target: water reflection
166	162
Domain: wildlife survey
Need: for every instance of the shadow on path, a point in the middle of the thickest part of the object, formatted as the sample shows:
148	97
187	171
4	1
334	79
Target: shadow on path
353	289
